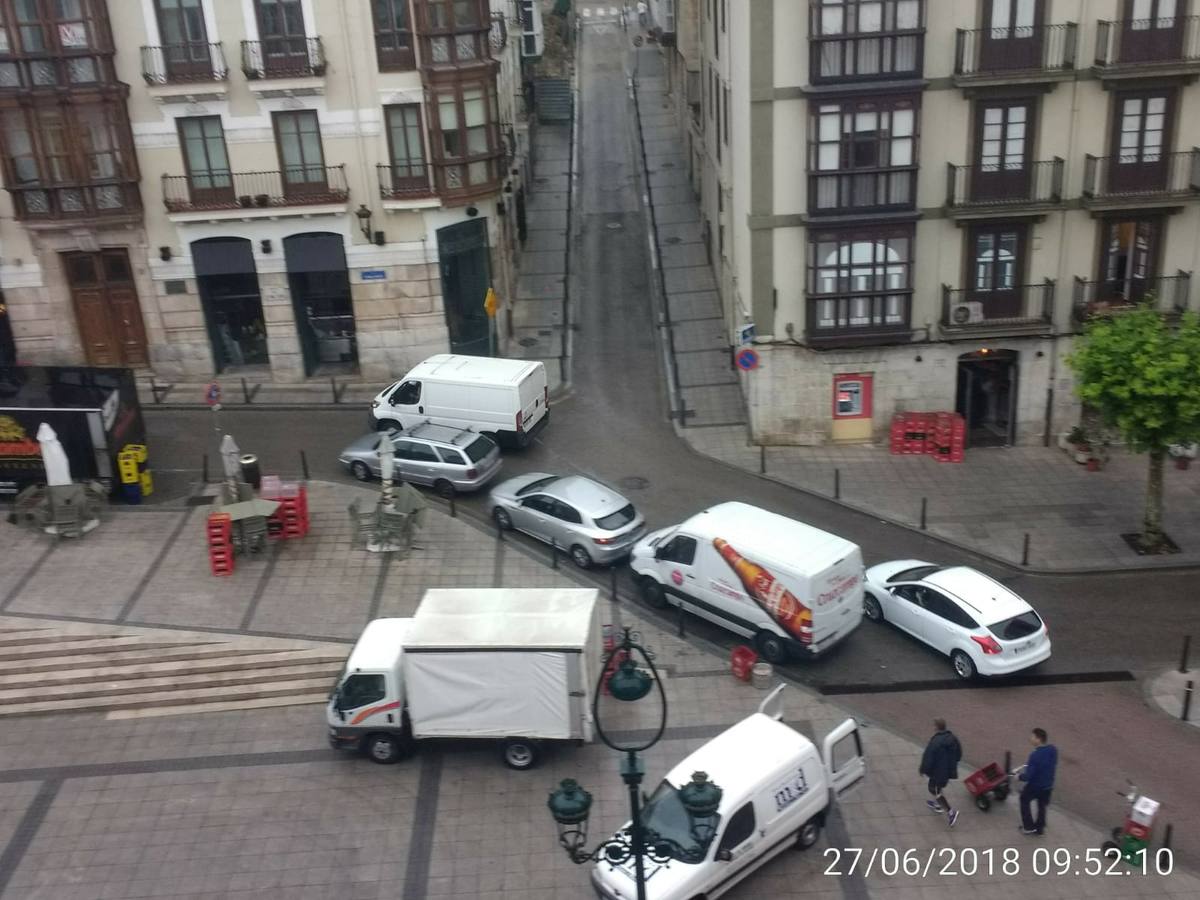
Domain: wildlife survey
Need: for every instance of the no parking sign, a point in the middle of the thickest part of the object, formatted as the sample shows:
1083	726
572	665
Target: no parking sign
747	359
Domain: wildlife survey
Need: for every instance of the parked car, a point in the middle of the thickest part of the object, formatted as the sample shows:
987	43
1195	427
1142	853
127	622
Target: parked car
591	522
983	627
448	459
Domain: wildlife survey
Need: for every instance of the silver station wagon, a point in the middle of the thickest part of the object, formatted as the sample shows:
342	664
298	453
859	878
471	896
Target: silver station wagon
447	459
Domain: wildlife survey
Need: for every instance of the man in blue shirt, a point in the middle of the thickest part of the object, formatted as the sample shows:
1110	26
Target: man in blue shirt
1038	776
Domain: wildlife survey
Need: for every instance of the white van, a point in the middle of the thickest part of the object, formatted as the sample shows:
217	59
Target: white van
776	792
789	586
506	399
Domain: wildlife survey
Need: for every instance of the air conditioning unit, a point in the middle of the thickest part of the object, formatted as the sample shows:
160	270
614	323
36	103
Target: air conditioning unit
969	313
533	39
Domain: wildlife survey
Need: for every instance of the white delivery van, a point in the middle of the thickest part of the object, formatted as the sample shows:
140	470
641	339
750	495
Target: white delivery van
510	665
777	790
506	399
788	586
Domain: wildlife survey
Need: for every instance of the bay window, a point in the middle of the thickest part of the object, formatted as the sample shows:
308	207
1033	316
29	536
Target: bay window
863	154
54	43
467	144
866	39
455	32
860	281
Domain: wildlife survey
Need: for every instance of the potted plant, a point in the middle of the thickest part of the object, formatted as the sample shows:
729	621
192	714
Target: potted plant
1081	447
245	201
262	199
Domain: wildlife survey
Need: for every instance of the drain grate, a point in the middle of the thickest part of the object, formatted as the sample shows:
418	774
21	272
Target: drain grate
527	341
614	226
635	483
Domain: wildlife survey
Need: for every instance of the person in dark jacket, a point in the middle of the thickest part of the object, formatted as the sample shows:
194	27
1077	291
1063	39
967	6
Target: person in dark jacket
939	764
1038	776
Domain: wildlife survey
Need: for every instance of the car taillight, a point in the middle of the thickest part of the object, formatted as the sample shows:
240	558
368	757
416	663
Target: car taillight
520	424
471	473
604	540
988	643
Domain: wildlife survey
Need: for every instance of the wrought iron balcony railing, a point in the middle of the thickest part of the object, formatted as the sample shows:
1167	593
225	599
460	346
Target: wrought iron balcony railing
186	63
283	57
300	186
1020	308
1018	52
985	187
1137	43
1168	293
404	182
1142	176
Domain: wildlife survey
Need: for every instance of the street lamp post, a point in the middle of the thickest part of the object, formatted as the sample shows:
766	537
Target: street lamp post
570	804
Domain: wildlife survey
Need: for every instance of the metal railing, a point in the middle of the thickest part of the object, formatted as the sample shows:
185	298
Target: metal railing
967	309
78	201
186	63
994	186
1140	42
990	51
848	322
255	190
870	56
862	190
1169	175
1167	293
283	57
403	182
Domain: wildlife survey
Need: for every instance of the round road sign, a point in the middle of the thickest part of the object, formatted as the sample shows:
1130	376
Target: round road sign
212	394
747	359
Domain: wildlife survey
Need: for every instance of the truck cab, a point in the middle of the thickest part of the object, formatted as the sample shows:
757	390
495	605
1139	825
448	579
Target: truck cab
366	708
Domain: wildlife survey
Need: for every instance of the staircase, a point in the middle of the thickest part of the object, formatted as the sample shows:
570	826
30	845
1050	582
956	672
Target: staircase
552	98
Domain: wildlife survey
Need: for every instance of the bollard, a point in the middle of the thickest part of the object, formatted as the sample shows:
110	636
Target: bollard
924	505
1186	715
453	507
245	392
499	534
1025	551
304	464
612	571
204	469
333	388
553	553
1168	832
1183	658
762	459
1007	762
837	484
680	623
154	389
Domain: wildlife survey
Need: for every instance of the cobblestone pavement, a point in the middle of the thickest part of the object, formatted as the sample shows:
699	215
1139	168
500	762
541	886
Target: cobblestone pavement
250	802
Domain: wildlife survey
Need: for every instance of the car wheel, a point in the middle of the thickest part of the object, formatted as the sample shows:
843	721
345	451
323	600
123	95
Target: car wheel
382	748
444	489
653	593
771	647
387	425
809	834
964	666
580	557
502	519
360	470
871	608
520	754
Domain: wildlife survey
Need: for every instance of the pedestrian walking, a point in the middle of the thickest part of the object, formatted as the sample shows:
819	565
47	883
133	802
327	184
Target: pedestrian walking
642	10
1038	775
939	763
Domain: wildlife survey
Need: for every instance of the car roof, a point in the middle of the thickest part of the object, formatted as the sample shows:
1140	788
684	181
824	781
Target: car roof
771	535
478	369
741	756
443	434
992	600
379	646
585	495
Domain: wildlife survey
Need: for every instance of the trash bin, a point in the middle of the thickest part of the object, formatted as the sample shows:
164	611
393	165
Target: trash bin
132	493
741	661
762	675
251	473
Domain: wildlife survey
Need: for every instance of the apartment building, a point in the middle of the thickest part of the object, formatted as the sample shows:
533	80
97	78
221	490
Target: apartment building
918	202
286	188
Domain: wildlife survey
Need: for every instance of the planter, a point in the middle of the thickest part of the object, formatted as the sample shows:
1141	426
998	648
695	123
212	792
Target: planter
1094	464
1082	454
262	199
245	201
1063	443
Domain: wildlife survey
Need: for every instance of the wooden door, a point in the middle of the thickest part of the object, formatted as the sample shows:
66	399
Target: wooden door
107	307
996	268
1140	138
1003	146
1151	30
1012	35
1128	260
282	37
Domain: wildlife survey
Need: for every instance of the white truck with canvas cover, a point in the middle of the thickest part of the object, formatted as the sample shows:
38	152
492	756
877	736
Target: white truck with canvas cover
777	789
788	586
510	665
506	399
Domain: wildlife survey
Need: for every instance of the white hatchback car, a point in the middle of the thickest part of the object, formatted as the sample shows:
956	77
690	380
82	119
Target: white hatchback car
980	624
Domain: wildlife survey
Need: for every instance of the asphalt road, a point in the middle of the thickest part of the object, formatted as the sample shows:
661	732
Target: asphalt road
614	426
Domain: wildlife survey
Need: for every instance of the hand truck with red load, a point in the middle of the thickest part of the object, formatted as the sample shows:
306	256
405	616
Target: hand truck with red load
990	783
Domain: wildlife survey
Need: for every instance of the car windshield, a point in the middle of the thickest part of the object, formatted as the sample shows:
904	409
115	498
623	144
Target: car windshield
619	519
536	485
665	816
914	574
1017	627
478	449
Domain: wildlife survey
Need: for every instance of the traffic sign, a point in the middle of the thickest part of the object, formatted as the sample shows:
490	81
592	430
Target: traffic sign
747	359
212	394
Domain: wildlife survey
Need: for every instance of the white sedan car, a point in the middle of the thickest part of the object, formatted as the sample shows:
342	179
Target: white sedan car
980	624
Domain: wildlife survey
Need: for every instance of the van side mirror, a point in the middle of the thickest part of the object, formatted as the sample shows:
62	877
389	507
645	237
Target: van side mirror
725	855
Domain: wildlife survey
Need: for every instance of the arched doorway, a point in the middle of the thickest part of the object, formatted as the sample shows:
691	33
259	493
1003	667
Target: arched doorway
987	397
320	286
228	284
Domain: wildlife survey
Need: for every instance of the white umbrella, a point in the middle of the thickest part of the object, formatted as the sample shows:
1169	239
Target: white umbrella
230	454
387	466
54	458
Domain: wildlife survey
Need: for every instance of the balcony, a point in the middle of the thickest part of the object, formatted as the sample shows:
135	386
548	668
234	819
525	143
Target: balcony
1153	47
405	187
77	204
282	59
192	63
988	56
240	195
979	191
1167	293
1026	309
874	56
862	191
1117	182
858	319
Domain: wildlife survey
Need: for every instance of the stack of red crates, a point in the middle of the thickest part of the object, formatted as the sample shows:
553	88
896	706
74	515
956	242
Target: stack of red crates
291	519
220	543
948	437
909	430
941	435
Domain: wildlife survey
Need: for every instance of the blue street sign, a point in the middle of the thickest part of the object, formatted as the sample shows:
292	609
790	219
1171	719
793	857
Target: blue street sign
373	275
747	359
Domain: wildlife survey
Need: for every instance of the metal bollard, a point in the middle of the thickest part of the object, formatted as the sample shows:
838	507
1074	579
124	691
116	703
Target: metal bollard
553	553
1025	551
1183	657
304	464
1186	715
837	484
204	469
245	392
154	389
453	507
924	507
1168	833
1007	761
762	459
680	621
499	534
333	388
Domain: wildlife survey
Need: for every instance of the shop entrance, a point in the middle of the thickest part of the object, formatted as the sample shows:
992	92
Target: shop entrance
320	286
987	397
228	285
466	276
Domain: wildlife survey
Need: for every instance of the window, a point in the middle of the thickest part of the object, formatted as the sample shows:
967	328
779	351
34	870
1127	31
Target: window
945	608
541	504
1019	626
680	549
479	448
1002	141
1147	14
203	143
467	142
456	32
860	279
862	39
359	690
724	8
298	136
393	35
451	457
717	130
996	257
1012	18
65	144
857	142
417	451
908	593
739	829
566	512
408	394
618	519
1143	120
52	40
184	39
406	147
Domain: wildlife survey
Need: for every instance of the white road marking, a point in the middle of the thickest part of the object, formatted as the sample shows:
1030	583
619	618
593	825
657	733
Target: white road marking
587	12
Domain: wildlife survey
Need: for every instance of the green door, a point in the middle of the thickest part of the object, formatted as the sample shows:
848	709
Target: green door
466	276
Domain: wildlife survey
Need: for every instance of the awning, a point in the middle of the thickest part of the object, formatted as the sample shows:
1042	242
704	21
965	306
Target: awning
223	256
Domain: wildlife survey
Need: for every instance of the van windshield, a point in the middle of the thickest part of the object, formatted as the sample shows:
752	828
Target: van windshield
479	448
664	817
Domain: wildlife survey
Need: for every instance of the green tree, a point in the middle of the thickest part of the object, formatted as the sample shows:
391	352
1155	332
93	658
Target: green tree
1142	374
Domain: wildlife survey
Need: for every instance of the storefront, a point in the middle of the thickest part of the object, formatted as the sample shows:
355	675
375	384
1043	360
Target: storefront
229	294
466	276
320	289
